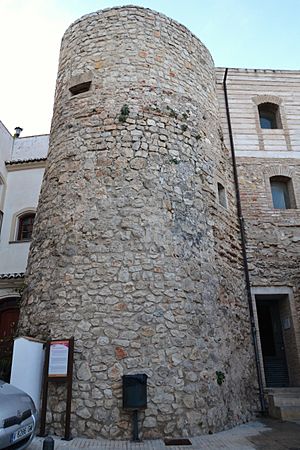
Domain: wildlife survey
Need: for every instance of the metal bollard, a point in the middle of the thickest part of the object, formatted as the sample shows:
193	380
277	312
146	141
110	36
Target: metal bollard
48	443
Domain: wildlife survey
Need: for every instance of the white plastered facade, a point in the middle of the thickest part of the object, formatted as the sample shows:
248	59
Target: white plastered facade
22	162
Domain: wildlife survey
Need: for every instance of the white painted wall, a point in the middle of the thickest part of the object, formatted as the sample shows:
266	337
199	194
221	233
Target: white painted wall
6	143
30	147
23	189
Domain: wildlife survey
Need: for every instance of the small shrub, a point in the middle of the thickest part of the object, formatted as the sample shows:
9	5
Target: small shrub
220	377
172	113
124	113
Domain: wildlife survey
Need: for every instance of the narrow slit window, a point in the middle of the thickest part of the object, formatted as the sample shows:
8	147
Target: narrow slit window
80	88
1	220
1	190
222	195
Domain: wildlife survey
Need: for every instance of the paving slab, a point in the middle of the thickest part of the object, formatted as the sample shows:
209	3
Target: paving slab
264	434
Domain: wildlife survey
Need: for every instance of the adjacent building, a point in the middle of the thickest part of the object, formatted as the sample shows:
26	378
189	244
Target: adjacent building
22	163
264	108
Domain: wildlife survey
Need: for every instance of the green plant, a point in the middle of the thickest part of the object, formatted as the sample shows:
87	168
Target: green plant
172	113
185	116
154	107
220	377
184	127
198	137
124	113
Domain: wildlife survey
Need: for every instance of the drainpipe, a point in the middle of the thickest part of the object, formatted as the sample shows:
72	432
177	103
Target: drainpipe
244	251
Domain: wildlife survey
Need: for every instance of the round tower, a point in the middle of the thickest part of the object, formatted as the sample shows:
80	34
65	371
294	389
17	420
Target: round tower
136	248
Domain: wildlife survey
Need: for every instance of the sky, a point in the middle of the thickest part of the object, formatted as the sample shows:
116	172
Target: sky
261	34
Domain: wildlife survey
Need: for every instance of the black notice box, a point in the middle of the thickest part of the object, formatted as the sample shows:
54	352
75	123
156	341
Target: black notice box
135	391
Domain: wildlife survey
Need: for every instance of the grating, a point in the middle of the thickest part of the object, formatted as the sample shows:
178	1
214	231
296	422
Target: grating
177	442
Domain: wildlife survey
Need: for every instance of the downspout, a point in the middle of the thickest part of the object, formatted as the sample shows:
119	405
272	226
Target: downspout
244	251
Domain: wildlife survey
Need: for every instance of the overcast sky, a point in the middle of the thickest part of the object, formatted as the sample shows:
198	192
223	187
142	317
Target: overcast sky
238	33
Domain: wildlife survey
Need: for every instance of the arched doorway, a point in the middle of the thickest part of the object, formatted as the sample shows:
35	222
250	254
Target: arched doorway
9	316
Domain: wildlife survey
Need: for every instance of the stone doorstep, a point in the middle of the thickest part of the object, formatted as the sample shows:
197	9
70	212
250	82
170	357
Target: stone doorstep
290	413
284	403
283	390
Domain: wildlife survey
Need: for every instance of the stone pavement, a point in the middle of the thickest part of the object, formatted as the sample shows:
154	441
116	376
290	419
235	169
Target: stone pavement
265	434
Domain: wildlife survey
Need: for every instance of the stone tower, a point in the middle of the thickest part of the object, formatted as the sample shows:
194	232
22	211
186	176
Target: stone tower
136	248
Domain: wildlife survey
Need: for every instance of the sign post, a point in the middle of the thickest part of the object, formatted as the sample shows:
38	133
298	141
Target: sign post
58	368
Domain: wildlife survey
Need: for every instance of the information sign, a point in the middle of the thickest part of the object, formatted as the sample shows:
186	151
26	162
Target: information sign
58	368
58	358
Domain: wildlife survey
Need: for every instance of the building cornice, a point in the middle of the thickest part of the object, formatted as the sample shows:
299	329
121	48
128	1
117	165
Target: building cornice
8	280
267	154
25	164
5	276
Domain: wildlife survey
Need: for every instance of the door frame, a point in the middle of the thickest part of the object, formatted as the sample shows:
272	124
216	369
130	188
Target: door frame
284	291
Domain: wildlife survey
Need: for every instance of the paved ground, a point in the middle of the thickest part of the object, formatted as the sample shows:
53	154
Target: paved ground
265	434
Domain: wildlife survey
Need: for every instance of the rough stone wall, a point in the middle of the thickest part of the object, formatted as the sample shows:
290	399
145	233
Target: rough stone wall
273	238
132	253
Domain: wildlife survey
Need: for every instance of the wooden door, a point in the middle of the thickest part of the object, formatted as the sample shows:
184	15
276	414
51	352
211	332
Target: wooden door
8	325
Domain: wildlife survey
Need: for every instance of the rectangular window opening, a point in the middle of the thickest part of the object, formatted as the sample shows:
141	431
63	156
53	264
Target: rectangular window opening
222	195
1	220
282	192
80	88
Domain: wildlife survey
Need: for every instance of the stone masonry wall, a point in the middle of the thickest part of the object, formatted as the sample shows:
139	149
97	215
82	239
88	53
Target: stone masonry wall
273	238
132	252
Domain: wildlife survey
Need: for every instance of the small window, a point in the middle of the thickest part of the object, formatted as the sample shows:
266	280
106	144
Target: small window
282	193
25	226
1	190
222	195
79	88
269	116
1	220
